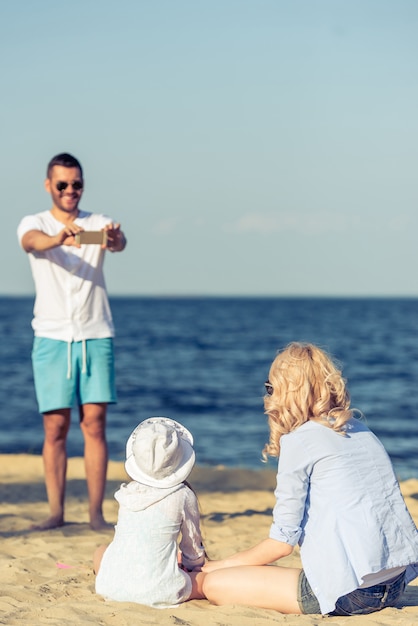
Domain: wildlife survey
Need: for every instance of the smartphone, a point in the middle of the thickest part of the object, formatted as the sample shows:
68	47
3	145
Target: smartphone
91	236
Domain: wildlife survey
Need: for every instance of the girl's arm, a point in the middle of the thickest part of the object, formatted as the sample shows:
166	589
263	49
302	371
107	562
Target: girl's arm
191	546
267	551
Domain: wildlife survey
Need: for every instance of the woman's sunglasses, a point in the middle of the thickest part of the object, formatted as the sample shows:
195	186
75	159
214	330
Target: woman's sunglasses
76	185
269	388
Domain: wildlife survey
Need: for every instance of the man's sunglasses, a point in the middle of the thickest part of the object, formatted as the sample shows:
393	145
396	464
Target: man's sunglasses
76	185
269	387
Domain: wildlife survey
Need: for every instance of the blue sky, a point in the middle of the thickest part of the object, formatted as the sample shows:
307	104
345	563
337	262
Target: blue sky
260	147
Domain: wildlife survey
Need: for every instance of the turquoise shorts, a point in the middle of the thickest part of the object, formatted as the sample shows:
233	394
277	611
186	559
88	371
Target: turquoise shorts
66	374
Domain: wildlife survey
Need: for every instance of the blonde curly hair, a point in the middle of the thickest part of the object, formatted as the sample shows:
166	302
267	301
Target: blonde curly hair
306	384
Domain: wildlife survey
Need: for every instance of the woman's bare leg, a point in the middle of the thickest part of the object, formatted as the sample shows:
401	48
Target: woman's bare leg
263	586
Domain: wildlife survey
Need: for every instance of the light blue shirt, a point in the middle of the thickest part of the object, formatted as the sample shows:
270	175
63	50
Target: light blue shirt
338	497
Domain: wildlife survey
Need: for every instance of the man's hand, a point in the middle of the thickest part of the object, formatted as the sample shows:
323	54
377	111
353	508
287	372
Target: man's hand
66	237
116	240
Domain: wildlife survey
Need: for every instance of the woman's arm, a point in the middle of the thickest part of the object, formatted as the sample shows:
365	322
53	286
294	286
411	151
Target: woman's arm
291	492
267	551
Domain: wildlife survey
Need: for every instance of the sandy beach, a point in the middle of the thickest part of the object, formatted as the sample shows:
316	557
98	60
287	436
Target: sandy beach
47	578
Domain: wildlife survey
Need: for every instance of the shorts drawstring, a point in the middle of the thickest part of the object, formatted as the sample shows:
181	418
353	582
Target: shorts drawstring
84	352
69	359
69	372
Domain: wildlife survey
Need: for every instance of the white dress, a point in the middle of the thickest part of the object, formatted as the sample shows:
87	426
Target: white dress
140	565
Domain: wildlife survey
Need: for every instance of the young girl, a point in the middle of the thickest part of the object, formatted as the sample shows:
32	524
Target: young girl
337	497
142	562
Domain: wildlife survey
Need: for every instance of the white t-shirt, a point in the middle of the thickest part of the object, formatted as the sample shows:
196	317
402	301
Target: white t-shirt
71	301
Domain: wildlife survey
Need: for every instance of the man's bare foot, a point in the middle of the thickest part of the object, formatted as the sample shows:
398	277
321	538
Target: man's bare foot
48	524
99	524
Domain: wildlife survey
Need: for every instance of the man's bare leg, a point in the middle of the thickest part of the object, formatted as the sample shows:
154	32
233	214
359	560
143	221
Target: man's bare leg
56	426
93	426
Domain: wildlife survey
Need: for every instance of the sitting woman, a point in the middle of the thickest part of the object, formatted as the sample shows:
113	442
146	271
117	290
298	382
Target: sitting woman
336	496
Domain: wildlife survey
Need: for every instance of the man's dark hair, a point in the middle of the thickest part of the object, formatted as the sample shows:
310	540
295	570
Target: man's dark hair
65	160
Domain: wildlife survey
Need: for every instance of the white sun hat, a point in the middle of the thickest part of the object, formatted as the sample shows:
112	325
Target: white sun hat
159	453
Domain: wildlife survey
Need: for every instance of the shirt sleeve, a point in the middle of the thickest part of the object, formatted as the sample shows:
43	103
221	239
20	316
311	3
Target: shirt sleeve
193	553
30	222
293	478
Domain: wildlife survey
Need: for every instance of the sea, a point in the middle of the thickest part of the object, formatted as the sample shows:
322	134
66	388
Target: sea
203	361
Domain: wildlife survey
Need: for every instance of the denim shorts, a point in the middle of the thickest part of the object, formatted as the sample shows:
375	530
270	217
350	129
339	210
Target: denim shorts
357	602
66	374
308	602
371	599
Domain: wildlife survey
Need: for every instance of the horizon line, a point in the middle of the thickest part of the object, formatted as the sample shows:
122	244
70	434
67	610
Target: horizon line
182	295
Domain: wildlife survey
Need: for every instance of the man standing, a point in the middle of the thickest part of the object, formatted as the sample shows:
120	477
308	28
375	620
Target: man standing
72	354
